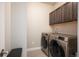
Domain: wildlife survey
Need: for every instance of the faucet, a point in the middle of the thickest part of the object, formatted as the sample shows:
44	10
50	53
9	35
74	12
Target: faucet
2	53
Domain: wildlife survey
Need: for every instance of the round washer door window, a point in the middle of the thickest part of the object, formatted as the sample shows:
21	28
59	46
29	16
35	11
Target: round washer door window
44	42
56	50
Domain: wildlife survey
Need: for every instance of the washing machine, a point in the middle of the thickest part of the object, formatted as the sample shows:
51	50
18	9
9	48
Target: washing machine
44	43
62	45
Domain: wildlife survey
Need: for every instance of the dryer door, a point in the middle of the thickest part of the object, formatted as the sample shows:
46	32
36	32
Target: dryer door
55	49
43	43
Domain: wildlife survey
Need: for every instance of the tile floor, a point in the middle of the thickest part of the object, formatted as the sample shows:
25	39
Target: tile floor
36	53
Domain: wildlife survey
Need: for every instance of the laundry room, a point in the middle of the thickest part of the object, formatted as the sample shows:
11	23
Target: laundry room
39	29
51	19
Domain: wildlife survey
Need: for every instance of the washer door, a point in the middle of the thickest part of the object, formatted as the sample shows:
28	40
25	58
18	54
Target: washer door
43	43
55	49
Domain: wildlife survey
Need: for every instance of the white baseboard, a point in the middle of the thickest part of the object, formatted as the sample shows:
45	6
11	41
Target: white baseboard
32	49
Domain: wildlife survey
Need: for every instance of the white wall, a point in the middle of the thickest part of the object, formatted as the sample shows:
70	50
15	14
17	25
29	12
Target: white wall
65	28
38	22
8	26
2	26
5	26
18	26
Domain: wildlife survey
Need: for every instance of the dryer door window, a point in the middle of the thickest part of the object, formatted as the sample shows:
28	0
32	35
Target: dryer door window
55	49
44	42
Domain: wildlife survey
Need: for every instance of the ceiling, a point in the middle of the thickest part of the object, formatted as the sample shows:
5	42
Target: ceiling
51	3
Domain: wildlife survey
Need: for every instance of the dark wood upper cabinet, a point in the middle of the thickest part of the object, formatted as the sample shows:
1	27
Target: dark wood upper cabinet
55	18
62	13
68	12
65	13
58	16
74	9
51	17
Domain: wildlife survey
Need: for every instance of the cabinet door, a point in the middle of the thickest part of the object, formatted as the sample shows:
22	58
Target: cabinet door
74	11
62	14
55	17
68	12
58	16
51	18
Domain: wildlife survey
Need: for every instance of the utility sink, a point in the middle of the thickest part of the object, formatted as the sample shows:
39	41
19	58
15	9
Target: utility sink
17	52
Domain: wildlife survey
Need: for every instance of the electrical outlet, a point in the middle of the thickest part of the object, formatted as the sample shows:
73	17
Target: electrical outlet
33	42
